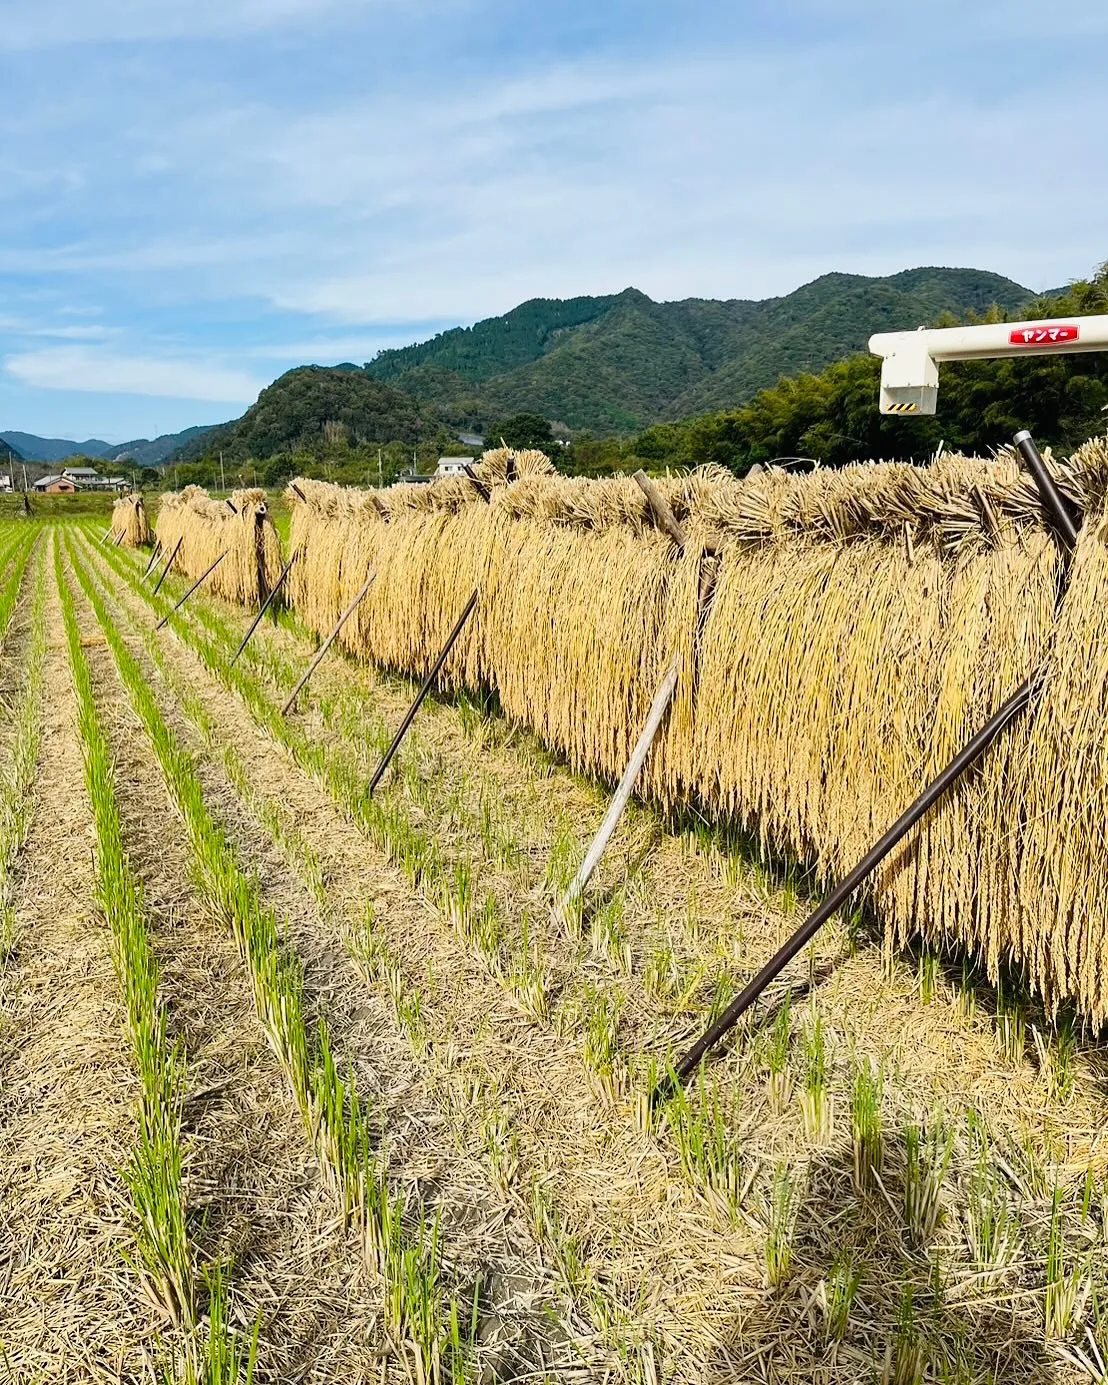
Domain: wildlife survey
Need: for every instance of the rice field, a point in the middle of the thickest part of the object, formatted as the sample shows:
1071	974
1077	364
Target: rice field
301	1084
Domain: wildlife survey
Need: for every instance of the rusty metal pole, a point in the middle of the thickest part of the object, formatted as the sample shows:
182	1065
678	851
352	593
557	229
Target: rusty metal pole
280	582
181	602
172	559
425	688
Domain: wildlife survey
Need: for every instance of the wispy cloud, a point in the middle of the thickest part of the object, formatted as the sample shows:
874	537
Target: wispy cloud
96	372
53	23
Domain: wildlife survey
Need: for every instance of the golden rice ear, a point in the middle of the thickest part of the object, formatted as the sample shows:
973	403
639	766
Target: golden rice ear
501	465
130	522
242	529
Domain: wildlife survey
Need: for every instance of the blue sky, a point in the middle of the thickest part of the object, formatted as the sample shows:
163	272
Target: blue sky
198	194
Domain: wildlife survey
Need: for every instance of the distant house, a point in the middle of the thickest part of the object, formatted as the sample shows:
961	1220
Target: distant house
55	485
6	483
452	466
471	440
82	475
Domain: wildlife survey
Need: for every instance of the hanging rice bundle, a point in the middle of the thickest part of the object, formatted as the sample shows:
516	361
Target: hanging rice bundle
130	523
240	529
862	624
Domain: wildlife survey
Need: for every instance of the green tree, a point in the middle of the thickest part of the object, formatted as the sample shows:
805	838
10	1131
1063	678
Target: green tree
522	430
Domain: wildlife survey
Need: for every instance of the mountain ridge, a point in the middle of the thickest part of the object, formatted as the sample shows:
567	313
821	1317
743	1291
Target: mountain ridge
623	361
142	451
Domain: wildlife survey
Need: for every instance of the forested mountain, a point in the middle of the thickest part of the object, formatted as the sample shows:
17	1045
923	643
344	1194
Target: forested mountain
832	416
620	362
142	451
315	406
36	449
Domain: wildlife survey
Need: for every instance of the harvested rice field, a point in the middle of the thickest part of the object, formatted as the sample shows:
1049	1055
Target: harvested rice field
300	1084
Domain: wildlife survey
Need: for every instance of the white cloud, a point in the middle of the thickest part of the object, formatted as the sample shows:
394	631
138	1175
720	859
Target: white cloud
51	23
95	372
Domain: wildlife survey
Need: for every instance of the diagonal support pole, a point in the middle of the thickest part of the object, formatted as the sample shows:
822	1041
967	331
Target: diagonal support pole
654	718
206	573
665	519
265	605
169	564
1025	696
328	642
425	688
154	553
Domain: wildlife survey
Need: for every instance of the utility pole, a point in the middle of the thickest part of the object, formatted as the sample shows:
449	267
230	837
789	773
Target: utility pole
222	475
380	483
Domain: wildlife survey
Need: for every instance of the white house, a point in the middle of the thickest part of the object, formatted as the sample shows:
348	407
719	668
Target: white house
81	475
452	466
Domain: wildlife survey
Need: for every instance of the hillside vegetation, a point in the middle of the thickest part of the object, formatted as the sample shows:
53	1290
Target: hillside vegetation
621	362
623	357
832	416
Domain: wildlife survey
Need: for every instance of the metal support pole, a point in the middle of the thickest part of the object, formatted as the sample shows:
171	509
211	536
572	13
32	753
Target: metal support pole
1065	535
968	755
482	490
1052	499
425	688
265	605
327	643
155	550
172	559
191	589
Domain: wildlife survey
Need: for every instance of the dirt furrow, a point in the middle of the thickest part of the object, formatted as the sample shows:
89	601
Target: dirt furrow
70	1309
486	1241
646	1255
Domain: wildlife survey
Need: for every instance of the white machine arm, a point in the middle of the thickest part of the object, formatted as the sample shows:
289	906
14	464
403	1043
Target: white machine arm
909	368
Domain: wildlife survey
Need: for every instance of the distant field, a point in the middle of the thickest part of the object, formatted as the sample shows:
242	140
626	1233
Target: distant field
89	504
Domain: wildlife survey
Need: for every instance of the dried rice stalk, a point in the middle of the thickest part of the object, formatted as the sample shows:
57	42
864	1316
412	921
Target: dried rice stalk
210	527
864	623
129	515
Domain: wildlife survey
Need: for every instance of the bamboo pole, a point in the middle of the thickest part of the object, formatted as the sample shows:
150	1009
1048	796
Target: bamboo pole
425	688
265	605
190	591
654	718
169	564
327	643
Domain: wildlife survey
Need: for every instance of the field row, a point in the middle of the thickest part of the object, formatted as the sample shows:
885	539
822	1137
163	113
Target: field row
338	1093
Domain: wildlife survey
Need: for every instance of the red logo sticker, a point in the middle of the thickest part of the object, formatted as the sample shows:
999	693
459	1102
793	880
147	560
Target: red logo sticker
1044	336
